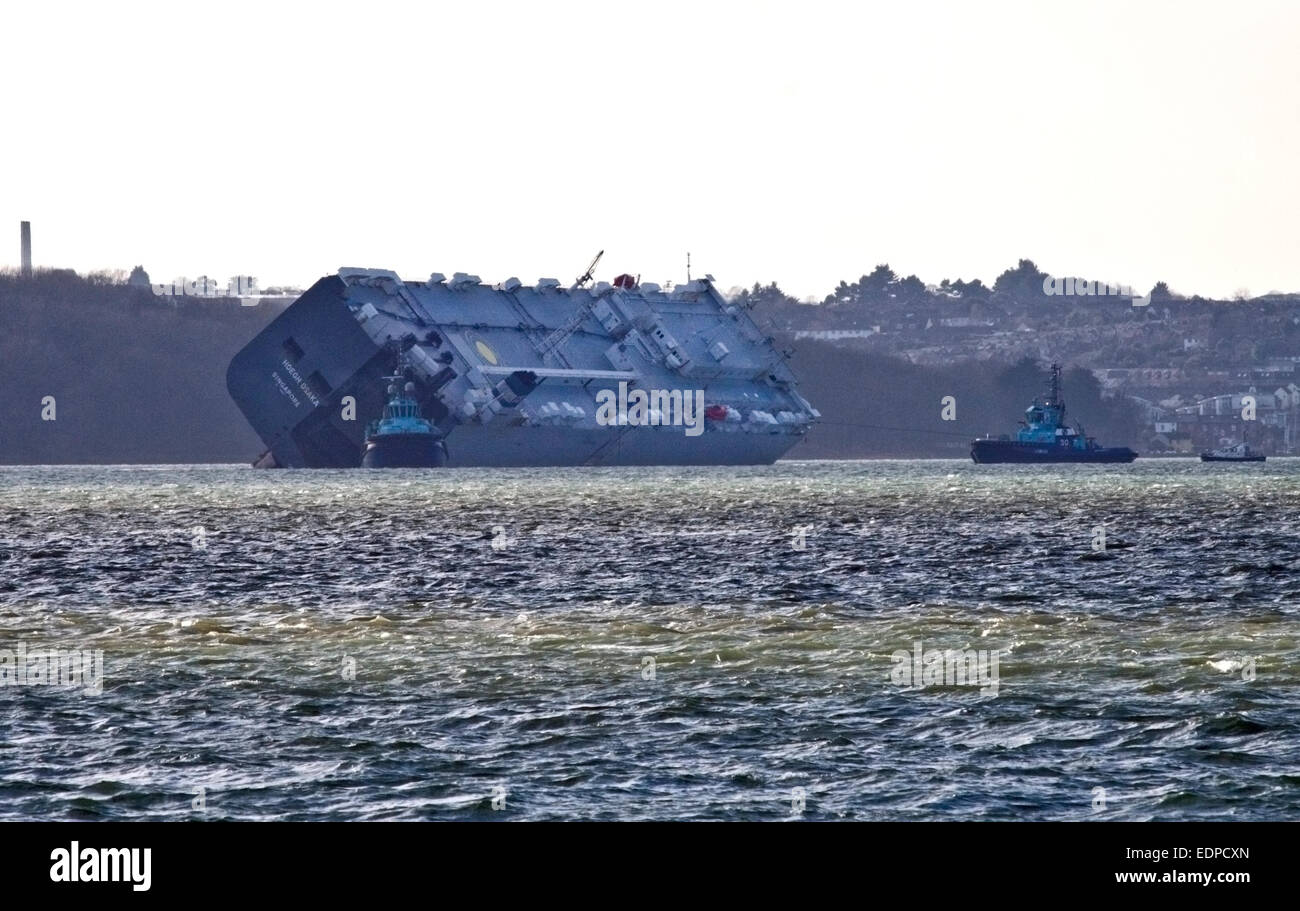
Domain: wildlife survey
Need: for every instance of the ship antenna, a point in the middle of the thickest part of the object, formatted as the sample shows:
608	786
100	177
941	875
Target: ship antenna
688	265
590	273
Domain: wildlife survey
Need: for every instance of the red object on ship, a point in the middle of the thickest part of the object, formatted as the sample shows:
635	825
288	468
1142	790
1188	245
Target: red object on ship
716	412
625	281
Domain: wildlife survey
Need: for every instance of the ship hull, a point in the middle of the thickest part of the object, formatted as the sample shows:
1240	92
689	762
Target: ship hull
404	450
1213	458
505	446
988	452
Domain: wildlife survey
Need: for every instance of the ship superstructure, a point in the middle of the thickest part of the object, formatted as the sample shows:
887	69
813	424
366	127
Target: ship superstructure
512	374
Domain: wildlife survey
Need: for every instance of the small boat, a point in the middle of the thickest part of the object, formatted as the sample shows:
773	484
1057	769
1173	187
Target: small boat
1045	437
403	438
1237	452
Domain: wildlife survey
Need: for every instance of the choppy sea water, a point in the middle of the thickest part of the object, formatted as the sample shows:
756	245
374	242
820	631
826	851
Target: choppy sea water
675	643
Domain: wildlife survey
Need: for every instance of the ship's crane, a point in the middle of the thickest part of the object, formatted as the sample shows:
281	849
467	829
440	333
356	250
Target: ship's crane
590	273
561	334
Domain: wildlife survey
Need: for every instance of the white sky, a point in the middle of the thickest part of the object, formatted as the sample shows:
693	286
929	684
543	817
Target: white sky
802	142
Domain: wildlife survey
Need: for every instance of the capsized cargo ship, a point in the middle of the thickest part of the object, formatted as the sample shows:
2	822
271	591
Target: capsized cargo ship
522	375
1045	437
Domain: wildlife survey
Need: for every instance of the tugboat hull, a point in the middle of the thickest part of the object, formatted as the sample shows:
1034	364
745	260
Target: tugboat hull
1206	457
987	452
404	451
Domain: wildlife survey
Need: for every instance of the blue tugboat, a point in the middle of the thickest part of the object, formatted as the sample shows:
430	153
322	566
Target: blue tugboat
1045	437
403	438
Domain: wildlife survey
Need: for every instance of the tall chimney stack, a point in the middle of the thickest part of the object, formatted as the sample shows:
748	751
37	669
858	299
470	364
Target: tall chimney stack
26	232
